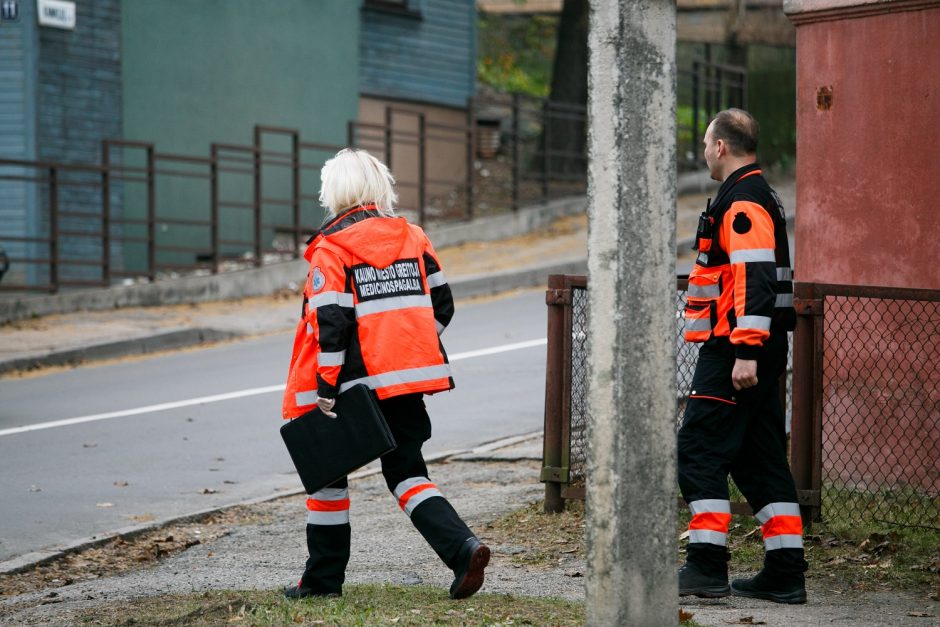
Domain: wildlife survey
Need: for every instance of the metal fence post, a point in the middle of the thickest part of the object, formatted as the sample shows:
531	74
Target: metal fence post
54	229
388	136
551	473
214	206
258	196
546	146
695	107
295	191
151	214
471	149
422	169
105	213
516	166
805	432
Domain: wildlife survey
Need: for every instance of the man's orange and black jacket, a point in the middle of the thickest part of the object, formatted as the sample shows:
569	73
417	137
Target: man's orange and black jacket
375	302
741	286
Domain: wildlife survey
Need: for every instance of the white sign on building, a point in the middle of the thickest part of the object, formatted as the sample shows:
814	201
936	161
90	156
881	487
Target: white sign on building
56	13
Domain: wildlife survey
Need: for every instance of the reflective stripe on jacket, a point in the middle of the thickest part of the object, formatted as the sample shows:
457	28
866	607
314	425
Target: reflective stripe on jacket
741	284
376	300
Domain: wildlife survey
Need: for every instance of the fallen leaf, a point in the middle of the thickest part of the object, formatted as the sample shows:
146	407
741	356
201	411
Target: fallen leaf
230	482
683	615
208	491
575	573
920	614
121	484
104	505
90	445
751	532
684	535
35	488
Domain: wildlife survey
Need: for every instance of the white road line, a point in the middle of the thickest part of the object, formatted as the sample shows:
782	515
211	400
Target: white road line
231	395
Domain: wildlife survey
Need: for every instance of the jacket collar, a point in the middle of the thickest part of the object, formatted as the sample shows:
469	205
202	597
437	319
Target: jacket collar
735	178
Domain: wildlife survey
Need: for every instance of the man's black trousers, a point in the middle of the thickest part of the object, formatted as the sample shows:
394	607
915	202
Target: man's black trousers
741	433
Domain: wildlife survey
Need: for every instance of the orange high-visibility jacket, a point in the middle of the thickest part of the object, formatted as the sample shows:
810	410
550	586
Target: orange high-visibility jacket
741	285
375	303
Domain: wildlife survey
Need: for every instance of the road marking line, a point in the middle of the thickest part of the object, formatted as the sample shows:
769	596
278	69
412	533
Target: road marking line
232	395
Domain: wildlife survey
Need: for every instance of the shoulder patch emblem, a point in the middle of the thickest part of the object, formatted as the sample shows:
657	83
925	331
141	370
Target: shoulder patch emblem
318	279
741	224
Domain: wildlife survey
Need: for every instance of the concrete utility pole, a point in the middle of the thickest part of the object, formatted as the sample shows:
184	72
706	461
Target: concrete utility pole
631	487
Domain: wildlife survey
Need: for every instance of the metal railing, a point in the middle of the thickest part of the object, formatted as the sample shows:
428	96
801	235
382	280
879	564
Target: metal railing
865	400
83	236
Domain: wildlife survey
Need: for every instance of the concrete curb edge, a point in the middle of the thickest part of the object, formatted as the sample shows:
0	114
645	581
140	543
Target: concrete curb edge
38	558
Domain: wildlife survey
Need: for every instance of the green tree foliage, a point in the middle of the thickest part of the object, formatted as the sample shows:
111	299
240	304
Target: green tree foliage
516	52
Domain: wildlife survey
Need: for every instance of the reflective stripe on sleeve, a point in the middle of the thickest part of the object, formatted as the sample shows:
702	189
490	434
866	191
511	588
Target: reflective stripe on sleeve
784	300
396	377
414	491
309	328
698	324
436	280
704	291
390	304
440	327
331	359
305	398
331	298
753	254
784	273
761	323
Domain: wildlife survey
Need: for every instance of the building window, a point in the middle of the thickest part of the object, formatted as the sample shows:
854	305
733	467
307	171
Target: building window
408	8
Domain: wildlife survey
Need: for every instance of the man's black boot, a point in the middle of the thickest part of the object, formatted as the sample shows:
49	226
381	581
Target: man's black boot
692	581
300	591
779	588
468	568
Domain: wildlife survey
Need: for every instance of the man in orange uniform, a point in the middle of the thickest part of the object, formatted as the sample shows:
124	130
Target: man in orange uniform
375	302
740	307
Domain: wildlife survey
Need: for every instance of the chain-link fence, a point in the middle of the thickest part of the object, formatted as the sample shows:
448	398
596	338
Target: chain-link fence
880	409
877	439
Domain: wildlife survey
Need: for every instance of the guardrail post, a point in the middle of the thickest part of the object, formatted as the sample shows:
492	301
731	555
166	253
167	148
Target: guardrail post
806	426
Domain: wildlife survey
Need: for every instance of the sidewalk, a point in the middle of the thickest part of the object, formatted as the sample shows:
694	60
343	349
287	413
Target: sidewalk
473	269
260	546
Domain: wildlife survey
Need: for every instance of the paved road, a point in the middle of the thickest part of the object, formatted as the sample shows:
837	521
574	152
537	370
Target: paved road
162	456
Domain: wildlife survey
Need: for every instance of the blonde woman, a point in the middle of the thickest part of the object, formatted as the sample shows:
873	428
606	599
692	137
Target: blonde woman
375	304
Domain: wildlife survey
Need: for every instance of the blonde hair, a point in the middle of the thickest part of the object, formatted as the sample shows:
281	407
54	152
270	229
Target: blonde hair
354	178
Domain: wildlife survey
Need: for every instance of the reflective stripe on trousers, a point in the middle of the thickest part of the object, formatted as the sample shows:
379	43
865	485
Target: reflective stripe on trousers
710	520
414	491
329	506
781	526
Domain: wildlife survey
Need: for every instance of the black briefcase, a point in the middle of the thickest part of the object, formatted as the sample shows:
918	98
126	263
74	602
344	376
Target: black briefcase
326	449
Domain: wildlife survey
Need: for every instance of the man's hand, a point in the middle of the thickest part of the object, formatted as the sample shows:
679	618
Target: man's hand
744	373
325	405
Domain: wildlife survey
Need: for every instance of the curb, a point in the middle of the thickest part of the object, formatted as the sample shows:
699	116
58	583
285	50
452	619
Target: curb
38	558
464	287
169	340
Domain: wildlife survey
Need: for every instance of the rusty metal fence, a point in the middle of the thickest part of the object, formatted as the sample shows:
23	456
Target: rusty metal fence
140	214
865	401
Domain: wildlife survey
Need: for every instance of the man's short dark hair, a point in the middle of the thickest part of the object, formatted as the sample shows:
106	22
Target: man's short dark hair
738	129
